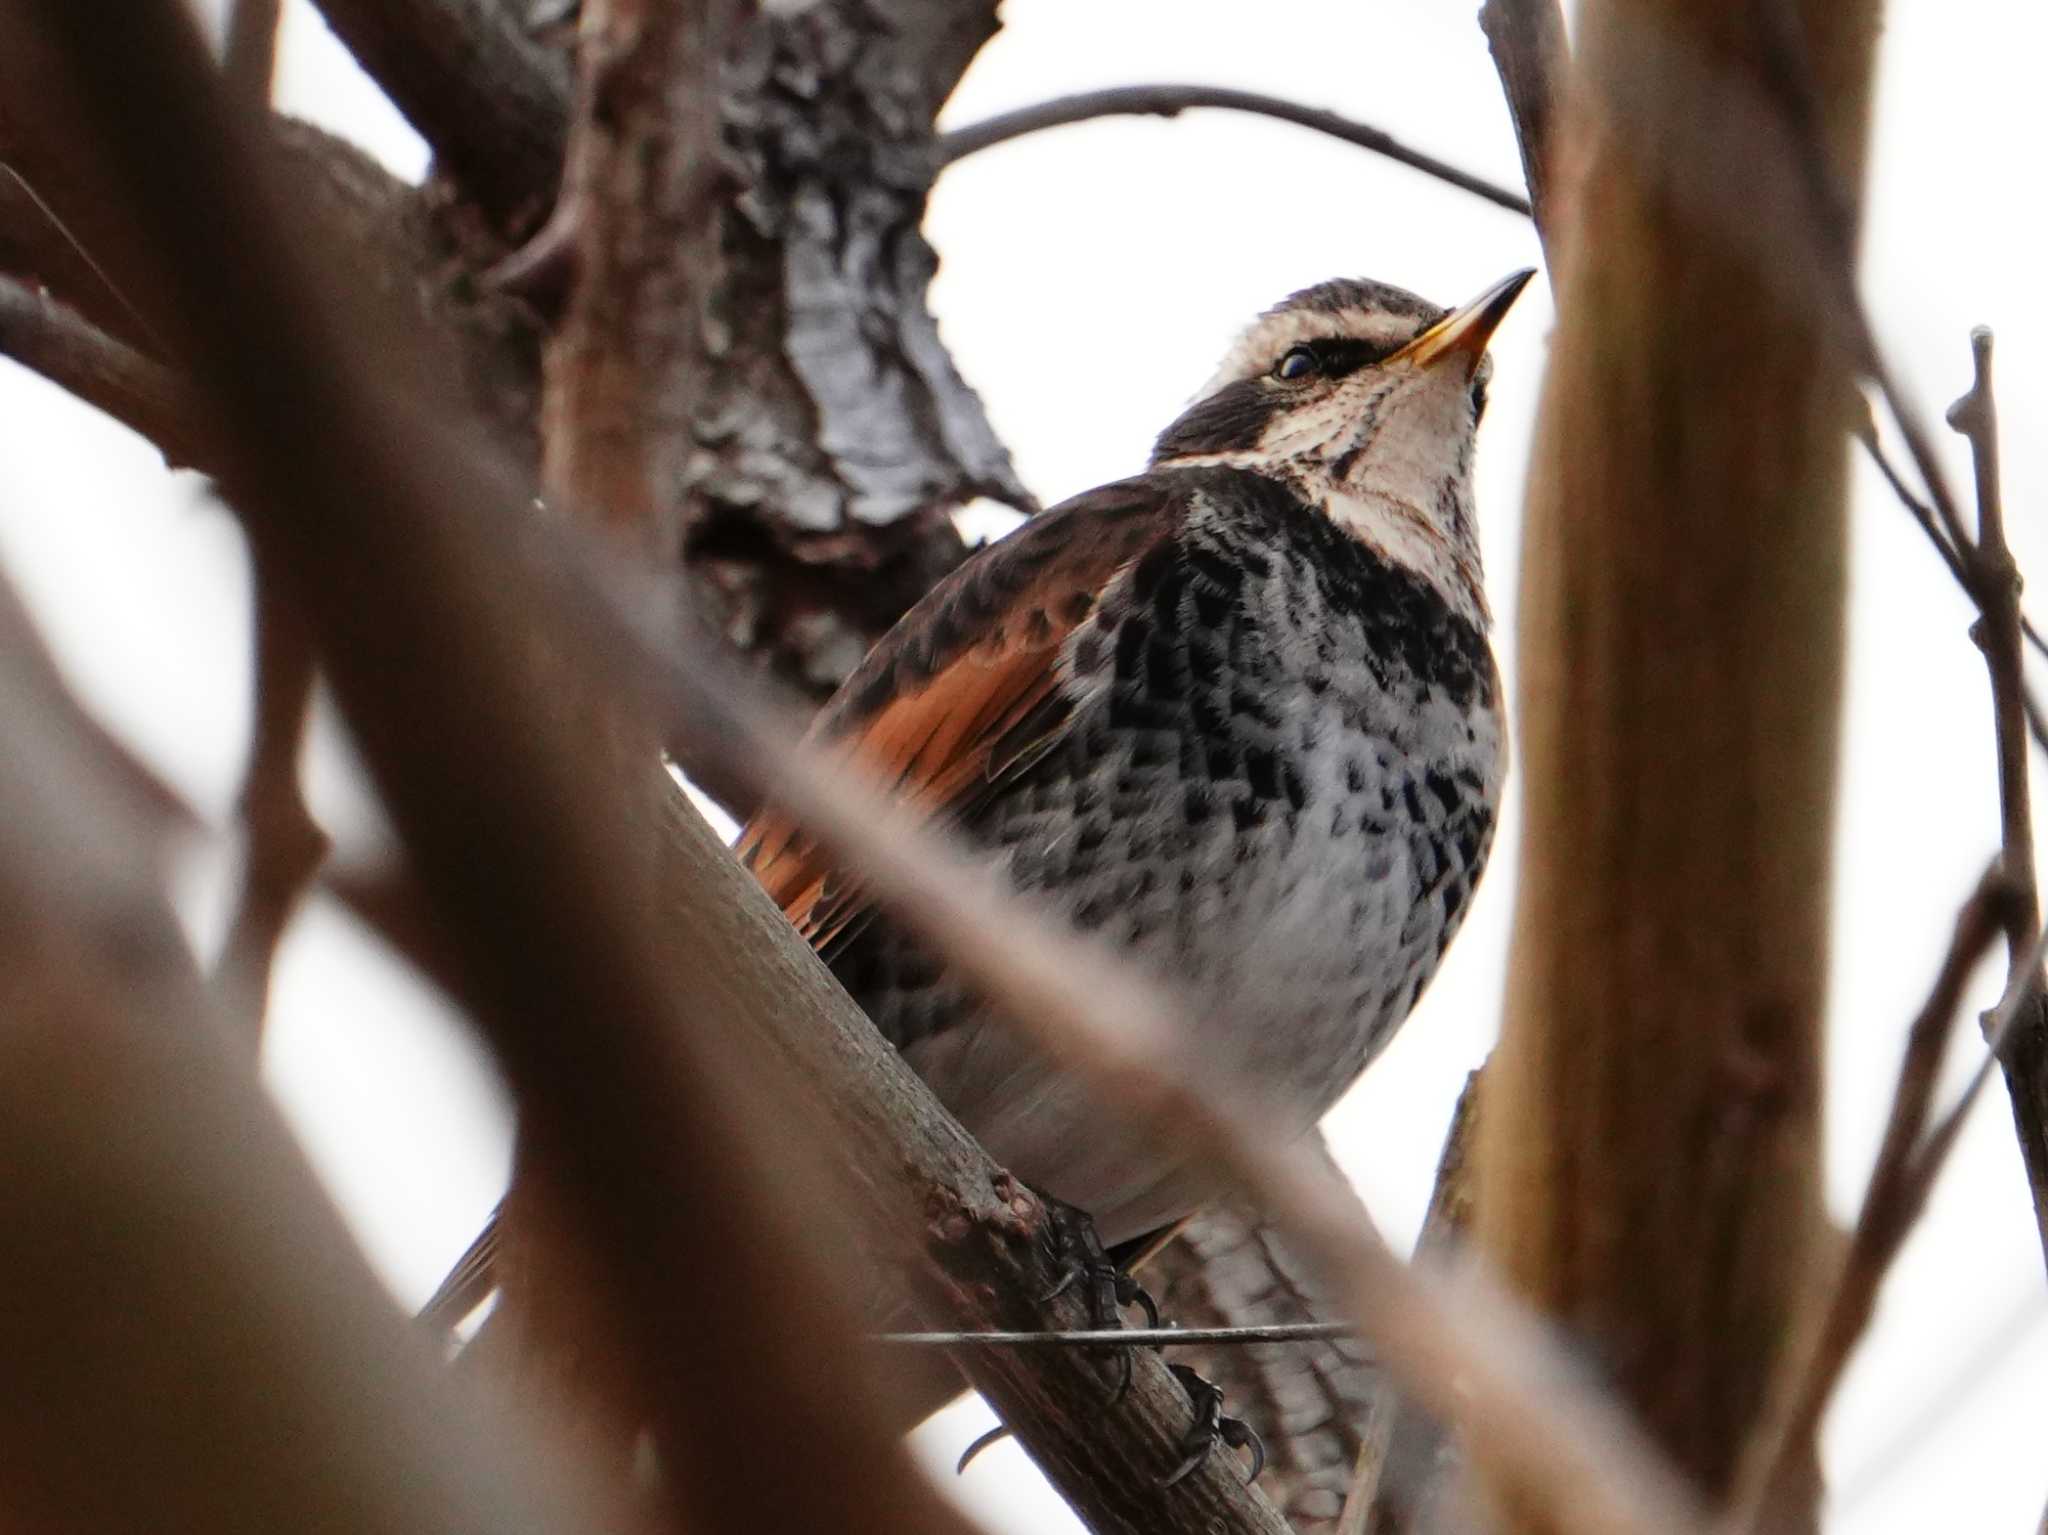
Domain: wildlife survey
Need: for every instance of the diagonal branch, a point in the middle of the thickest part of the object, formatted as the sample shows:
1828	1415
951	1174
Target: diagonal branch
142	394
1172	100
1892	1202
491	103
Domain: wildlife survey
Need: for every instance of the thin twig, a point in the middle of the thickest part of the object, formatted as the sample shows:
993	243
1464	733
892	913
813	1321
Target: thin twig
1172	100
2022	1045
1125	1337
1891	1203
249	58
1920	511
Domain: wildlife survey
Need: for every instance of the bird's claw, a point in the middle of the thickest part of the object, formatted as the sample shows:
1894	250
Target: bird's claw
1211	1425
1109	1288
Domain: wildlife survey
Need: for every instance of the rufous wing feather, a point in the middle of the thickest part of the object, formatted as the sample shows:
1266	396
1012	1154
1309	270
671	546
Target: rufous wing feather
967	689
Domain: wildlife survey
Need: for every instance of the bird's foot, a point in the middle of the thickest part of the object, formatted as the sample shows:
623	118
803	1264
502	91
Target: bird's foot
1107	1286
1211	1426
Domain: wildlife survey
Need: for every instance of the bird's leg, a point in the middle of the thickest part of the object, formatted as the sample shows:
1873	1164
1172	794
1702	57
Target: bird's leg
1211	1425
1082	1259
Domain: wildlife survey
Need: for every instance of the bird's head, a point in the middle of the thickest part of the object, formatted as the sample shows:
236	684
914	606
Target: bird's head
1366	398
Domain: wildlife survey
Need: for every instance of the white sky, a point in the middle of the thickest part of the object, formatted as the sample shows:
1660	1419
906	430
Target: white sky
1091	278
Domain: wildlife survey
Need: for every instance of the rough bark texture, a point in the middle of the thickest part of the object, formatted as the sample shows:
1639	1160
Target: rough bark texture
819	468
493	103
1408	1479
1648	1159
1307	1401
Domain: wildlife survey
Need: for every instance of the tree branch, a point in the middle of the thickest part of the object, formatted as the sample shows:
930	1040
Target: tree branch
491	103
1649	1152
250	58
193	1339
1172	100
143	395
1998	632
1232	1265
1892	1201
1527	40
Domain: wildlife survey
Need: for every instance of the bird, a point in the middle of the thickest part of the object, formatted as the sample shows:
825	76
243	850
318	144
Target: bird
1236	717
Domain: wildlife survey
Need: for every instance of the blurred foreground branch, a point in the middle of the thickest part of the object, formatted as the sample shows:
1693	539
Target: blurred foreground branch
1648	1156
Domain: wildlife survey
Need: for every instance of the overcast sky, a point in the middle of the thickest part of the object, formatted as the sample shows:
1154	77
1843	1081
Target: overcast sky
1091	279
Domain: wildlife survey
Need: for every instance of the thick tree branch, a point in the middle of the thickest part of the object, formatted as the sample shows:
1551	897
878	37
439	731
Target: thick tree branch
1172	100
491	103
1530	55
1648	1157
249	58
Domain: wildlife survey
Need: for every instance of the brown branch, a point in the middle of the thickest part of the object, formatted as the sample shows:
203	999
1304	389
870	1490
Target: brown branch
1232	1266
283	845
1172	100
1453	1345
1649	1169
1530	54
1406	1473
492	104
719	1273
1892	1201
193	1339
249	59
633	1036
144	396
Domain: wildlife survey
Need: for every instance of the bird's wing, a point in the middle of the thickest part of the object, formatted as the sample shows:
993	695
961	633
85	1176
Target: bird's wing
969	688
965	691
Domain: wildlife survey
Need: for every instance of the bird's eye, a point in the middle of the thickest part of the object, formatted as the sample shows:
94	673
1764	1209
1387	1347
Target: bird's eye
1299	362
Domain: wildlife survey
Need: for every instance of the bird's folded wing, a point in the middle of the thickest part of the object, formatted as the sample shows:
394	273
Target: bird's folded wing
968	690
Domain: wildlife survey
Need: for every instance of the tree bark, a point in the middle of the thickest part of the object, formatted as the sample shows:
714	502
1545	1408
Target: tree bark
1648	1159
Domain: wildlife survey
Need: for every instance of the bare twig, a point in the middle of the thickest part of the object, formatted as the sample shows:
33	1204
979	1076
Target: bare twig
282	844
1998	634
2021	1040
250	57
143	395
1921	512
1892	1202
1530	55
1172	100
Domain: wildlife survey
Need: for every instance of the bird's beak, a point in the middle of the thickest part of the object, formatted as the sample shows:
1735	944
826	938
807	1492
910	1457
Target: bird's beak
1463	333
